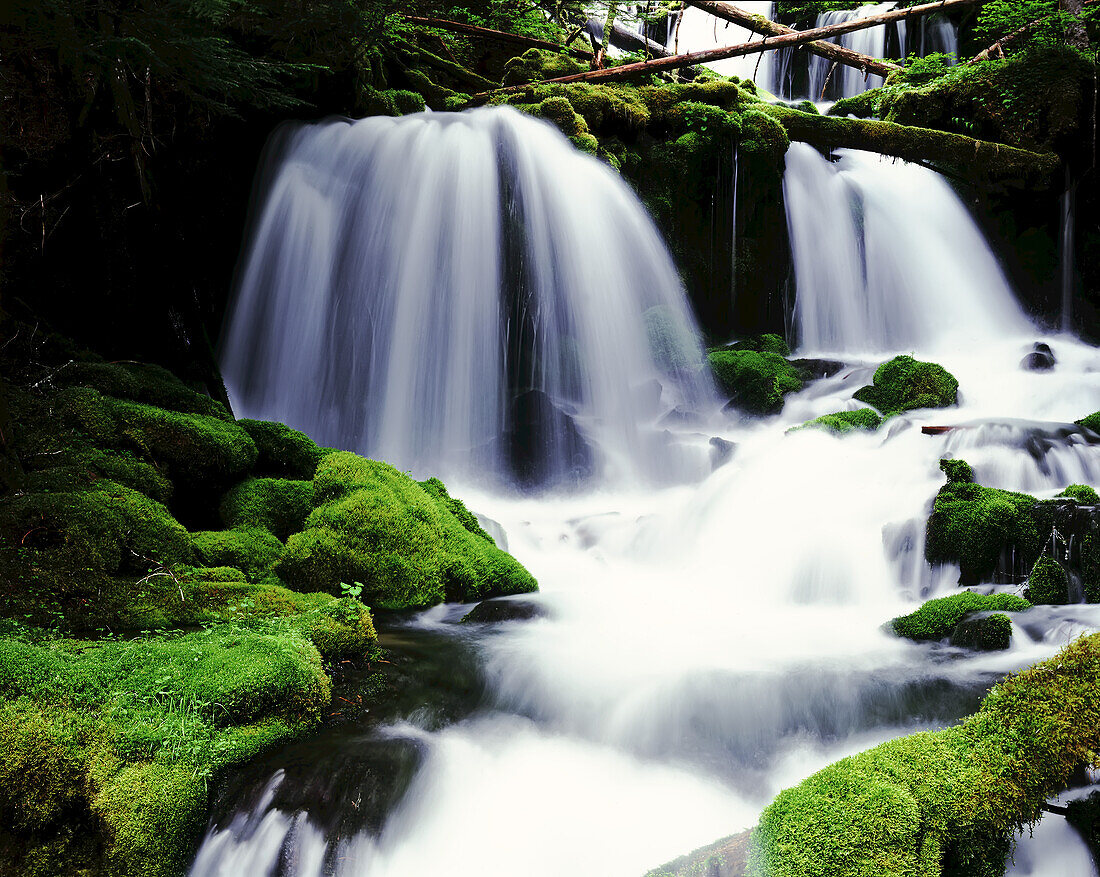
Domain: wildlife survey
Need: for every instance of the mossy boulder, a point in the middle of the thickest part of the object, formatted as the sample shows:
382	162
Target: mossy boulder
1048	582
943	802
983	633
389	102
866	419
535	65
282	451
978	527
1083	493
904	384
936	619
1092	422
376	526
278	505
756	382
142	382
254	550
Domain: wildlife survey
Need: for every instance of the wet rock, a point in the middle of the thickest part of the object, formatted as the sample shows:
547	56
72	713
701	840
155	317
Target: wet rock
721	451
816	369
728	857
1040	359
542	443
497	610
680	416
983	633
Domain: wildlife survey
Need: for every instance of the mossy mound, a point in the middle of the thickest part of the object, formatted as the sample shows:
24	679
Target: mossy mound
976	527
904	384
1083	493
846	421
944	802
1048	582
755	381
253	550
535	65
282	451
984	633
936	619
1091	422
278	505
403	542
141	382
106	747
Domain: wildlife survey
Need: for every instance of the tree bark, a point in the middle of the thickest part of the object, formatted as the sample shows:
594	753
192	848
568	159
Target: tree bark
761	25
1076	35
497	35
630	41
690	59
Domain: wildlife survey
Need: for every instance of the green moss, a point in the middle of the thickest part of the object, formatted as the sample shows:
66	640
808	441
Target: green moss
975	526
762	135
140	382
945	801
903	384
756	382
1048	582
935	620
1091	422
957	471
438	491
846	421
988	633
1082	493
535	65
559	111
282	450
255	550
377	526
389	102
275	504
769	342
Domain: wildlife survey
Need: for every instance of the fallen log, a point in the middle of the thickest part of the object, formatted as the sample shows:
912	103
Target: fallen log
497	35
627	40
759	24
690	59
975	159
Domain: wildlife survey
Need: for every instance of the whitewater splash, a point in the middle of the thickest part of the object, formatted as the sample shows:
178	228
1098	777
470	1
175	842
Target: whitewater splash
886	257
461	292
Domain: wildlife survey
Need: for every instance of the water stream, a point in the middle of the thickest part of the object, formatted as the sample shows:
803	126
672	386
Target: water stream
705	642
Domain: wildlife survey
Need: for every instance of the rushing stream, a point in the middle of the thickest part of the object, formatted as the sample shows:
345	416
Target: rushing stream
701	644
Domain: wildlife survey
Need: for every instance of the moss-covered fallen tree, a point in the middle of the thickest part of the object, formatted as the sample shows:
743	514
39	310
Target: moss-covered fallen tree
944	802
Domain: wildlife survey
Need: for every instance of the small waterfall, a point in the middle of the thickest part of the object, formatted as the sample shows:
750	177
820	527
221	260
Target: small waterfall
862	229
454	292
699	30
844	81
1066	250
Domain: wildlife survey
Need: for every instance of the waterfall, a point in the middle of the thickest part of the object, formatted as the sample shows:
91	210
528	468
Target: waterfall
869	41
453	292
1066	250
699	30
862	229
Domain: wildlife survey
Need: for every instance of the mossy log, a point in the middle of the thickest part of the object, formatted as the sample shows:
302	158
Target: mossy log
975	159
759	24
497	35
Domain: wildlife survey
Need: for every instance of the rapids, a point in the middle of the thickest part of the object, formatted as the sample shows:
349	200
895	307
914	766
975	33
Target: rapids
705	643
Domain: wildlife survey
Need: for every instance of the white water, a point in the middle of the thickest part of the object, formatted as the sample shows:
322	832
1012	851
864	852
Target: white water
712	643
699	30
407	278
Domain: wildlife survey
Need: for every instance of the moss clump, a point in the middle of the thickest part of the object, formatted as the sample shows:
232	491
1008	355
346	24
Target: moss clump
390	102
278	505
140	382
281	450
377	526
903	384
535	65
943	802
1091	422
976	526
988	633
1048	582
254	550
957	471
762	135
438	491
846	421
1082	493
935	620
755	381
769	342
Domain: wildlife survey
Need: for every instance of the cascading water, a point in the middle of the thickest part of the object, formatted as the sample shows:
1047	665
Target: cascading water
861	231
699	30
871	41
704	645
460	292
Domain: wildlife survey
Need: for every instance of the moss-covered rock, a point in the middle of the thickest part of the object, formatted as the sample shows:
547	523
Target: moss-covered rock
254	550
535	65
983	633
936	619
282	451
944	802
278	505
1048	582
140	382
845	421
1092	422
977	527
1083	493
903	384
376	526
755	381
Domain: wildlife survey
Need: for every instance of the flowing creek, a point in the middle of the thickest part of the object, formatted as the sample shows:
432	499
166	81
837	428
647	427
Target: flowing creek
710	624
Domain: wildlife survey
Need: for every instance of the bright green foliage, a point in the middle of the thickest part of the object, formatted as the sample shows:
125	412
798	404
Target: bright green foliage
282	450
942	802
1083	493
129	731
974	526
251	549
763	135
1048	582
756	382
935	620
276	504
390	102
903	384
1091	422
989	633
140	382
197	450
846	421
438	491
675	347
769	342
957	471
377	526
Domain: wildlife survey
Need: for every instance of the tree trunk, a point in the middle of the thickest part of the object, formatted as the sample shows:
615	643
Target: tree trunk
761	25
1076	35
798	38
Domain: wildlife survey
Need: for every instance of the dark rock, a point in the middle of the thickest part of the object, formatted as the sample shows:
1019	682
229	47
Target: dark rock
499	609
816	369
1040	359
680	416
721	451
542	444
983	633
